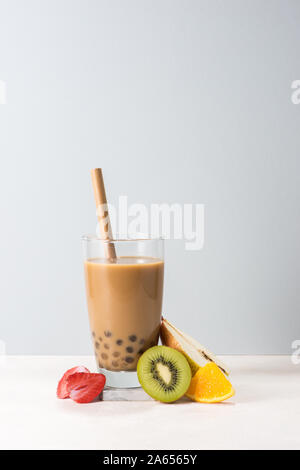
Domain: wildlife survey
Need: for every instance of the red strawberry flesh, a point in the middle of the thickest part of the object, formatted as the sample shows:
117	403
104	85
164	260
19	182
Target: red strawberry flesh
62	391
84	388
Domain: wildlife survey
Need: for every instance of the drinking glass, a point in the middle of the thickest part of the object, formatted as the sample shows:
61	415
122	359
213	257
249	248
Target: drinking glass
124	298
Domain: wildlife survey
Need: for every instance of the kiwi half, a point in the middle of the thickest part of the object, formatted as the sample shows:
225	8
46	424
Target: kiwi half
164	373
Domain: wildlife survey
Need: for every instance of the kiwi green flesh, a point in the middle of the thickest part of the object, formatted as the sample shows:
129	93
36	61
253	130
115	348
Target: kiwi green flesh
164	373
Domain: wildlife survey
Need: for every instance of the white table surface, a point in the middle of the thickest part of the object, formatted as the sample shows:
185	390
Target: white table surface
264	413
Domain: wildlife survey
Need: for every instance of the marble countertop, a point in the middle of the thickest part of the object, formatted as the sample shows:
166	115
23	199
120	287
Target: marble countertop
264	413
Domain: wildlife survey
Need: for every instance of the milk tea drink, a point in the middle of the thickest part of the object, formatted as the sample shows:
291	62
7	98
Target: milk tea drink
124	300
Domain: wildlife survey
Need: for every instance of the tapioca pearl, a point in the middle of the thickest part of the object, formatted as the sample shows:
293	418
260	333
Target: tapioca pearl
97	345
93	333
104	356
107	333
115	363
129	349
142	341
116	354
100	338
129	359
119	342
132	338
106	346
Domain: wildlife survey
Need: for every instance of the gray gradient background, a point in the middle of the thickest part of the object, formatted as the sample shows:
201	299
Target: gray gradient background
178	101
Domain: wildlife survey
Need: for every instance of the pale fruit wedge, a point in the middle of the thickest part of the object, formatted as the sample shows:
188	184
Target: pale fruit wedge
196	354
209	385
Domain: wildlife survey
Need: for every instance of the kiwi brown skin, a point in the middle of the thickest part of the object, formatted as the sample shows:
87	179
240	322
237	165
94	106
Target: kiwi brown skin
178	370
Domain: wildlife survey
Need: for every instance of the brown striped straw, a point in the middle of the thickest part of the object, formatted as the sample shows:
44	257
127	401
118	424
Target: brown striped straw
103	214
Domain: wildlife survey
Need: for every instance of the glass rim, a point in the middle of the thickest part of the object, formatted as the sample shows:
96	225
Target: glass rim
90	237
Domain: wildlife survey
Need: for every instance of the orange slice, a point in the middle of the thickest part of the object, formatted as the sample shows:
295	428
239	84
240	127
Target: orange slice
209	385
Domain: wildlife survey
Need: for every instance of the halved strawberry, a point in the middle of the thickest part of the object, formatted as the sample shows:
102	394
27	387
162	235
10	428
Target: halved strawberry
62	391
84	388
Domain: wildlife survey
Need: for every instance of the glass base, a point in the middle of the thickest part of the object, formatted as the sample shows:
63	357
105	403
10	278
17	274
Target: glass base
125	394
120	379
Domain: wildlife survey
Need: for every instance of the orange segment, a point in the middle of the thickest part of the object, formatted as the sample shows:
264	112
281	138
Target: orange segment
209	385
192	388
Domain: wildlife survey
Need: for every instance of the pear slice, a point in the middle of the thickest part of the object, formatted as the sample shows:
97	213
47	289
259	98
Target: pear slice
196	354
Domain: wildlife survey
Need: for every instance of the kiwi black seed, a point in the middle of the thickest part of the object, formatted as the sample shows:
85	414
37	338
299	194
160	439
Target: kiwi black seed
164	373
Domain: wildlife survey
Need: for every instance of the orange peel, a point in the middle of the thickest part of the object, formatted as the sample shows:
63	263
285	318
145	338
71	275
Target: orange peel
209	385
